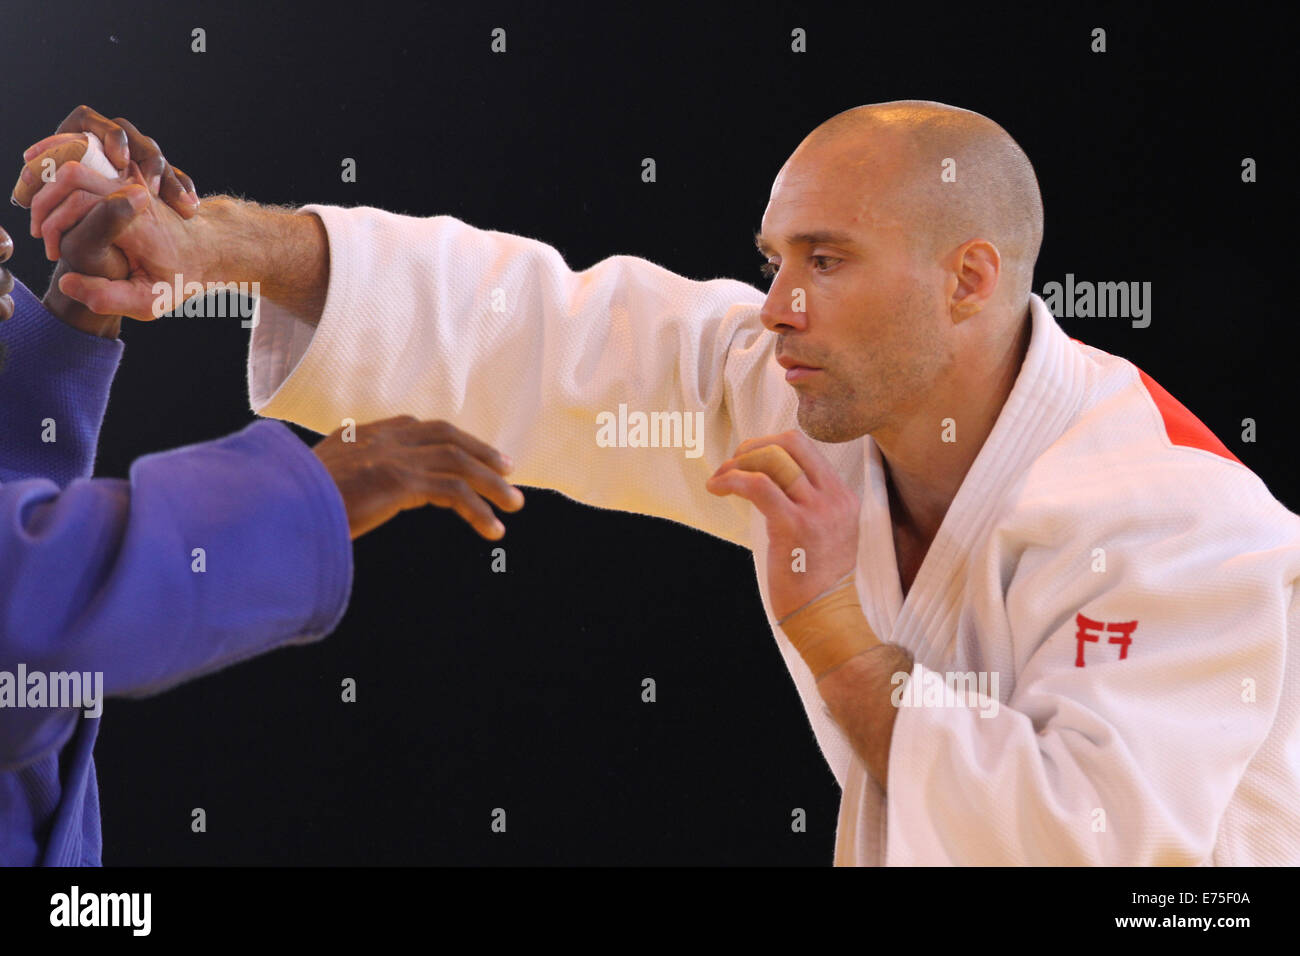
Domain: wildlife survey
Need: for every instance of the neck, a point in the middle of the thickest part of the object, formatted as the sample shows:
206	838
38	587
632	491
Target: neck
924	472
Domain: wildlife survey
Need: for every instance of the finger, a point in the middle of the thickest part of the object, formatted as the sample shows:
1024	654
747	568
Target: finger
49	142
440	432
146	153
749	444
773	461
109	296
453	459
70	212
186	182
803	451
158	173
71	177
43	169
110	217
85	120
178	192
6	280
449	491
756	488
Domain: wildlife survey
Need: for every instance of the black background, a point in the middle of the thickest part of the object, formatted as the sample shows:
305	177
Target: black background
522	691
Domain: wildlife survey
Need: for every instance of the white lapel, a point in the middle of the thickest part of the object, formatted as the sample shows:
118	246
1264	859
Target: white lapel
1045	398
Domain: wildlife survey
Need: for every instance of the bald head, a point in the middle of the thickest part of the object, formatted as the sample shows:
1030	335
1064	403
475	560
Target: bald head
900	239
989	192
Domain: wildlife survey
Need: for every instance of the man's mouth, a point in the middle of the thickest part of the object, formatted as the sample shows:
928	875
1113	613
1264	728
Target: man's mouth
800	372
795	370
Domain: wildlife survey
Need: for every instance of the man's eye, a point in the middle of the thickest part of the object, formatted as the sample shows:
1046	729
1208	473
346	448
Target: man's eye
768	270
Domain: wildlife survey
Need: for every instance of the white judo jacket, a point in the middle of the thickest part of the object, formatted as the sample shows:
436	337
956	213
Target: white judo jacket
1103	629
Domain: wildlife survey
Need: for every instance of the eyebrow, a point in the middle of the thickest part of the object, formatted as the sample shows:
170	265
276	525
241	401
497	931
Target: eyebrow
807	239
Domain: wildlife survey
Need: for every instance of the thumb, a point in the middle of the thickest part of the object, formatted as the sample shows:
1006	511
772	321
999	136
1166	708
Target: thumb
108	219
110	296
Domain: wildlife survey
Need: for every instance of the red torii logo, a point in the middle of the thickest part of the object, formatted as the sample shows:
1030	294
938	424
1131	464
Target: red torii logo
1087	626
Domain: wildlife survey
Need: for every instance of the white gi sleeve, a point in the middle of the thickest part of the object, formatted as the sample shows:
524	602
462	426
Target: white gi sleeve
1131	758
494	333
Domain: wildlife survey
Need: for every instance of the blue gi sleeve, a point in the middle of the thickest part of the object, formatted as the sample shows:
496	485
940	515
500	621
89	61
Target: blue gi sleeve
54	384
206	555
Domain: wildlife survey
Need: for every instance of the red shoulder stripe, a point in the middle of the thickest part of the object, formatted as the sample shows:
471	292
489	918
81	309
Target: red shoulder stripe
1182	427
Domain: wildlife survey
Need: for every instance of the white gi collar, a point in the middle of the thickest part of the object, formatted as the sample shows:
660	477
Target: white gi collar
1046	397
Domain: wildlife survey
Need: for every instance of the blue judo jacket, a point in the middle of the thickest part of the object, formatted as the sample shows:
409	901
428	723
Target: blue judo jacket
206	555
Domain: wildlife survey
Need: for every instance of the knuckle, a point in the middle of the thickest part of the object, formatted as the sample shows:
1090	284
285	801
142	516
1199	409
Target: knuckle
118	206
459	457
376	468
454	487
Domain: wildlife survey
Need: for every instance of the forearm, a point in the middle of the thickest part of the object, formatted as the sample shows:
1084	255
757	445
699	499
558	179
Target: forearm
54	391
209	554
854	669
436	318
859	694
285	252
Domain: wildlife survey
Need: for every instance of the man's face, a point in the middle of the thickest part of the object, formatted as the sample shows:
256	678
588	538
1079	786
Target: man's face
873	327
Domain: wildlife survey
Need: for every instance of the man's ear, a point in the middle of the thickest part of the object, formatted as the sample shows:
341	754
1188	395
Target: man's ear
977	267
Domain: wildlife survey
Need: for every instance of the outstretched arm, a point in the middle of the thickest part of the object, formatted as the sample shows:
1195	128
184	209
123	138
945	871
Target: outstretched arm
622	386
207	555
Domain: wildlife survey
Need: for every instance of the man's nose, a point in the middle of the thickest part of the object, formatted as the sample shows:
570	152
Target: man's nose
786	307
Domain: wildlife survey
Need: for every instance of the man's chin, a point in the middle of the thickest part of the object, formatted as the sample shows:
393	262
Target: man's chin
823	425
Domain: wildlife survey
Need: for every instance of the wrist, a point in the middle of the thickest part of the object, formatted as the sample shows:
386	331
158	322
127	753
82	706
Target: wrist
831	629
283	250
74	314
214	254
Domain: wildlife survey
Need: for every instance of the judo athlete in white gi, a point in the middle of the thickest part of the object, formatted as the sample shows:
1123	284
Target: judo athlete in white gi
1093	600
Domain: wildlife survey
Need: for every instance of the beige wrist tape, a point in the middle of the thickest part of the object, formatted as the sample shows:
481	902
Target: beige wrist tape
773	461
830	629
88	151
